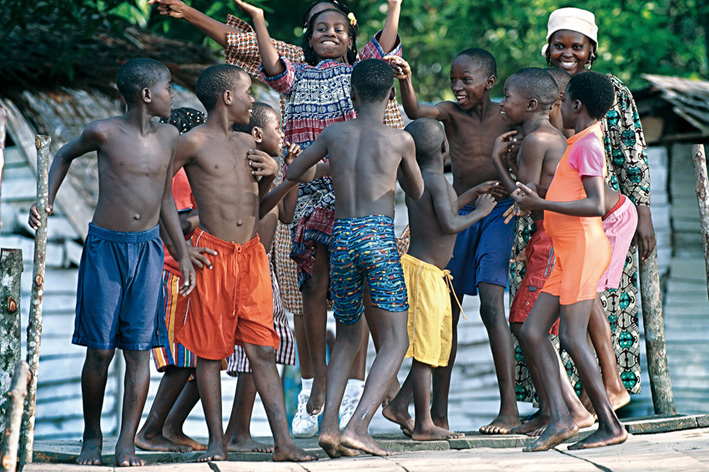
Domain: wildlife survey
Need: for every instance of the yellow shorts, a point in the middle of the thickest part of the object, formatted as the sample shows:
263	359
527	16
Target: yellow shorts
430	320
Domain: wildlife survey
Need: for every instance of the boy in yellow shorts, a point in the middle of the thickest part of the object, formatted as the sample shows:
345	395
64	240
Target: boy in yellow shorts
434	223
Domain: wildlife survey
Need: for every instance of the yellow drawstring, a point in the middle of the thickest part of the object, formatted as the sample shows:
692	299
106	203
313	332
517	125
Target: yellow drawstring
449	281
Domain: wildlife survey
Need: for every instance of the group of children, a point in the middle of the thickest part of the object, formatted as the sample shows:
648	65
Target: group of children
345	163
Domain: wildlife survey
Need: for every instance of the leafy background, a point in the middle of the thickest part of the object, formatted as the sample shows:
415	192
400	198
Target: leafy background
666	37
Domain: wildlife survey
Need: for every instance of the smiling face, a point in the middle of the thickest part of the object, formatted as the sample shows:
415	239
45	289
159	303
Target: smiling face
514	105
569	51
331	35
272	135
468	83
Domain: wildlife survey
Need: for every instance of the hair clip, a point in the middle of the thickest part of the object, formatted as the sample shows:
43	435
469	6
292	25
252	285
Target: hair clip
353	20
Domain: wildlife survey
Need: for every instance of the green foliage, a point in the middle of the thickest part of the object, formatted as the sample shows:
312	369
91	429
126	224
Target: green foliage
666	37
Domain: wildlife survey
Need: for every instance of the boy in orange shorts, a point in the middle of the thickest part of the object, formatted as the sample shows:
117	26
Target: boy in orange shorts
573	208
233	298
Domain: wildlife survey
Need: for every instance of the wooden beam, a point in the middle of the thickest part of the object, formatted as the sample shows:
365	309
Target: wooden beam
699	158
3	127
34	326
11	433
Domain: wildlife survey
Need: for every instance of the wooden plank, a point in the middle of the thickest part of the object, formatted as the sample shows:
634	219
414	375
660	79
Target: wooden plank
10	299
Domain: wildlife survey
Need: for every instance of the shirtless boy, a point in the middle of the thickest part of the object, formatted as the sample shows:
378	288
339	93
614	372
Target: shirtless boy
233	301
121	266
434	222
364	156
481	255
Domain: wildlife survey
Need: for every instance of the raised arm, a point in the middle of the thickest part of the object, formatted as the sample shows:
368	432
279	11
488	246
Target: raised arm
209	26
412	107
390	32
270	59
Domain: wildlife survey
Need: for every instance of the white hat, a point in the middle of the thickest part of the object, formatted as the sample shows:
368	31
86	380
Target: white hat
572	19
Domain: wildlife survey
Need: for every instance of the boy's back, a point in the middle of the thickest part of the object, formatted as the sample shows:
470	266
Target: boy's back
364	158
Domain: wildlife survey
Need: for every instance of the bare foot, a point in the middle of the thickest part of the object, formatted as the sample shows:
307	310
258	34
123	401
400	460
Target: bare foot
291	453
604	437
503	424
393	390
363	442
583	419
90	452
182	439
125	457
399	416
618	399
248	445
533	427
332	446
317	396
158	443
440	422
214	452
553	436
434	433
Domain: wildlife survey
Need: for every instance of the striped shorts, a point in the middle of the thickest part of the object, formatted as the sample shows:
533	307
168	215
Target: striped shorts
285	354
174	310
365	249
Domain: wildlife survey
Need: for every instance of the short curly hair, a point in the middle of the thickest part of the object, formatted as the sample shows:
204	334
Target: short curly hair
373	80
261	114
214	81
594	90
537	84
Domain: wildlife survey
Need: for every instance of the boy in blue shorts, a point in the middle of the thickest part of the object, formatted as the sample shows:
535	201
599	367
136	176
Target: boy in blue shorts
481	255
121	266
364	156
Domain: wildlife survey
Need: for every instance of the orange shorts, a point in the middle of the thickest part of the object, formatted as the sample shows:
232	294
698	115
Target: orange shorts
582	256
232	302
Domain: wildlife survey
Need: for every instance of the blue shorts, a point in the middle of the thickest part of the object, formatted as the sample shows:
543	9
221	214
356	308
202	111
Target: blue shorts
119	291
482	252
365	248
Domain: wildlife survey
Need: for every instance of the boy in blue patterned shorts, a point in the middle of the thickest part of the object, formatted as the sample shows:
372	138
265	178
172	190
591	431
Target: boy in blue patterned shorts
364	156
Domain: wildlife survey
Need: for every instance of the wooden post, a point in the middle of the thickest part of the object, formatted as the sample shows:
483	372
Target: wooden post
10	290
3	127
34	325
699	158
654	324
11	433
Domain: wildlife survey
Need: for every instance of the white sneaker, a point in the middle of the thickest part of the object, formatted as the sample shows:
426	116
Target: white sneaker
304	425
350	401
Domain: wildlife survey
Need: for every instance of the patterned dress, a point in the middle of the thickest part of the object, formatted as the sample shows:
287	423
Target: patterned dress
242	50
628	173
315	97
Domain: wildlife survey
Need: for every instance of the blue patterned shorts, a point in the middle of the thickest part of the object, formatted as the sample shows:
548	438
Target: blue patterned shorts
365	249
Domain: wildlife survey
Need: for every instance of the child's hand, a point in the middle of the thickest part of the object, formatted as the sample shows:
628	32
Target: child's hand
173	8
492	187
251	10
262	164
33	220
485	203
401	68
504	145
197	256
527	199
292	151
513	211
189	278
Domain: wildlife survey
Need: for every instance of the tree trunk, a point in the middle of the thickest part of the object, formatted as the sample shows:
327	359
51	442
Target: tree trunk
11	434
699	158
34	326
10	290
654	324
3	127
